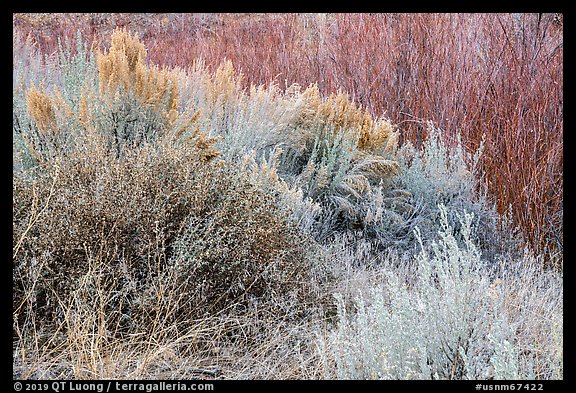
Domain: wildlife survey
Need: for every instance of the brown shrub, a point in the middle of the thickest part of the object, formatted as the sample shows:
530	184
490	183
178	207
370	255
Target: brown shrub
170	235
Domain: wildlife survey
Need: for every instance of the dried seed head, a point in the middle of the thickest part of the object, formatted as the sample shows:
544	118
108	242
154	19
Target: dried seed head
41	108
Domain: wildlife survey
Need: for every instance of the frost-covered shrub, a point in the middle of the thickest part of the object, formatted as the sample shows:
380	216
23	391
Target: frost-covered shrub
290	198
325	148
449	175
452	321
532	300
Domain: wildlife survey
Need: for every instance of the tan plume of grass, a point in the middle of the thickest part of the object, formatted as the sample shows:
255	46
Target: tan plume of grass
123	66
337	110
223	85
41	108
51	111
50	114
204	143
118	66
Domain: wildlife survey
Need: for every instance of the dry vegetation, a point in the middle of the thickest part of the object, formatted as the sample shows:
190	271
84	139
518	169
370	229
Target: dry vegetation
185	199
495	76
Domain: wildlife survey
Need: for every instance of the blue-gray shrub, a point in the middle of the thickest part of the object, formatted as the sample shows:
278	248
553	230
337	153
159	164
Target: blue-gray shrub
453	321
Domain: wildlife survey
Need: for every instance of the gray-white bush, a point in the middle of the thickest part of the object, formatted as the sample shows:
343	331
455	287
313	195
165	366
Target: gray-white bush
455	320
450	175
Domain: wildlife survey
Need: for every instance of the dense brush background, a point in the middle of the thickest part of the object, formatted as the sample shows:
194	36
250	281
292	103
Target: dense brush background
288	196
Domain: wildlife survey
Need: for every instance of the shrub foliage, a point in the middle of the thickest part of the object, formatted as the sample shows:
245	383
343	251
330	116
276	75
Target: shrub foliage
168	213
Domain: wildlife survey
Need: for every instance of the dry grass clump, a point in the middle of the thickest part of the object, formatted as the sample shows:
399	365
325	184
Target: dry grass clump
341	133
347	165
49	112
40	107
259	344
